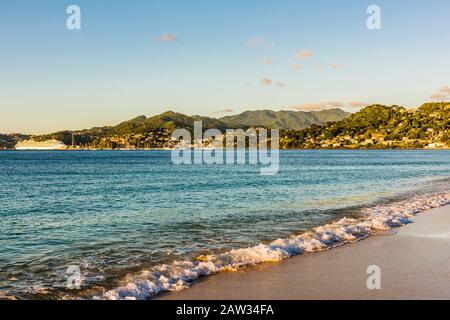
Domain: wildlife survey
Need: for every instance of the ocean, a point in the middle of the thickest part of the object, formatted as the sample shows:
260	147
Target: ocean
134	225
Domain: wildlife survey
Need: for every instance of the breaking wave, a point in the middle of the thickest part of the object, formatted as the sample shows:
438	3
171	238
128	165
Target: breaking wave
180	274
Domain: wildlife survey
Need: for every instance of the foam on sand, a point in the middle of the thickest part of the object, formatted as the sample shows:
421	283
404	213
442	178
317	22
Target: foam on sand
179	275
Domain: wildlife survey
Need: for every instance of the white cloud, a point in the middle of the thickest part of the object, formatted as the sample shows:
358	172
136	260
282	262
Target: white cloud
266	82
254	41
304	54
319	106
442	94
357	104
268	61
167	37
329	105
296	66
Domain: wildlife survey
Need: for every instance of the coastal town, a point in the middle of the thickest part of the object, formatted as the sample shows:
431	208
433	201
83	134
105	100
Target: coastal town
163	141
374	141
374	127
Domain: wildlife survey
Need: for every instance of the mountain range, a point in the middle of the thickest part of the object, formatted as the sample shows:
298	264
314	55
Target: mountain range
289	120
376	126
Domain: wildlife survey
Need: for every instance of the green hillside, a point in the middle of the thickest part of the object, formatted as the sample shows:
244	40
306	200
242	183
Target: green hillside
379	126
157	128
168	120
290	120
375	126
8	141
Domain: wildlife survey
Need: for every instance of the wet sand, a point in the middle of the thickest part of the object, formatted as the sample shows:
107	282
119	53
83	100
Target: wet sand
414	262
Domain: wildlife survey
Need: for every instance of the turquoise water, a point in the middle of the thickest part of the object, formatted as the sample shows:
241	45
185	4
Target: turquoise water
114	213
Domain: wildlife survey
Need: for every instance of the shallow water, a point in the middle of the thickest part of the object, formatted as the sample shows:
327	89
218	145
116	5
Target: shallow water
114	213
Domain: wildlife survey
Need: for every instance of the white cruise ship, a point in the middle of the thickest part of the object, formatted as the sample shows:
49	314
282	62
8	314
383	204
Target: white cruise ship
40	145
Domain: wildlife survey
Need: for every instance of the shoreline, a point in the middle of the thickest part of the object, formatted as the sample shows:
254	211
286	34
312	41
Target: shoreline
180	275
413	260
210	277
292	149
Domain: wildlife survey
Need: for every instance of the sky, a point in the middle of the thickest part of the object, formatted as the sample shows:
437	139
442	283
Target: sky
214	58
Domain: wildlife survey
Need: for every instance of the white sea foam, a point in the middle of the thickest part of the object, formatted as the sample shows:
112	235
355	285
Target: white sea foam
180	274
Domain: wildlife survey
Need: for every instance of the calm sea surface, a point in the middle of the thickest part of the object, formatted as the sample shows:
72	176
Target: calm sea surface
113	213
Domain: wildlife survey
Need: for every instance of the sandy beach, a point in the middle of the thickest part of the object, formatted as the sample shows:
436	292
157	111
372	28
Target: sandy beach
414	262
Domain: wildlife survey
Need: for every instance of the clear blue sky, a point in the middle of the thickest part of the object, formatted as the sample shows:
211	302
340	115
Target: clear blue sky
197	57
